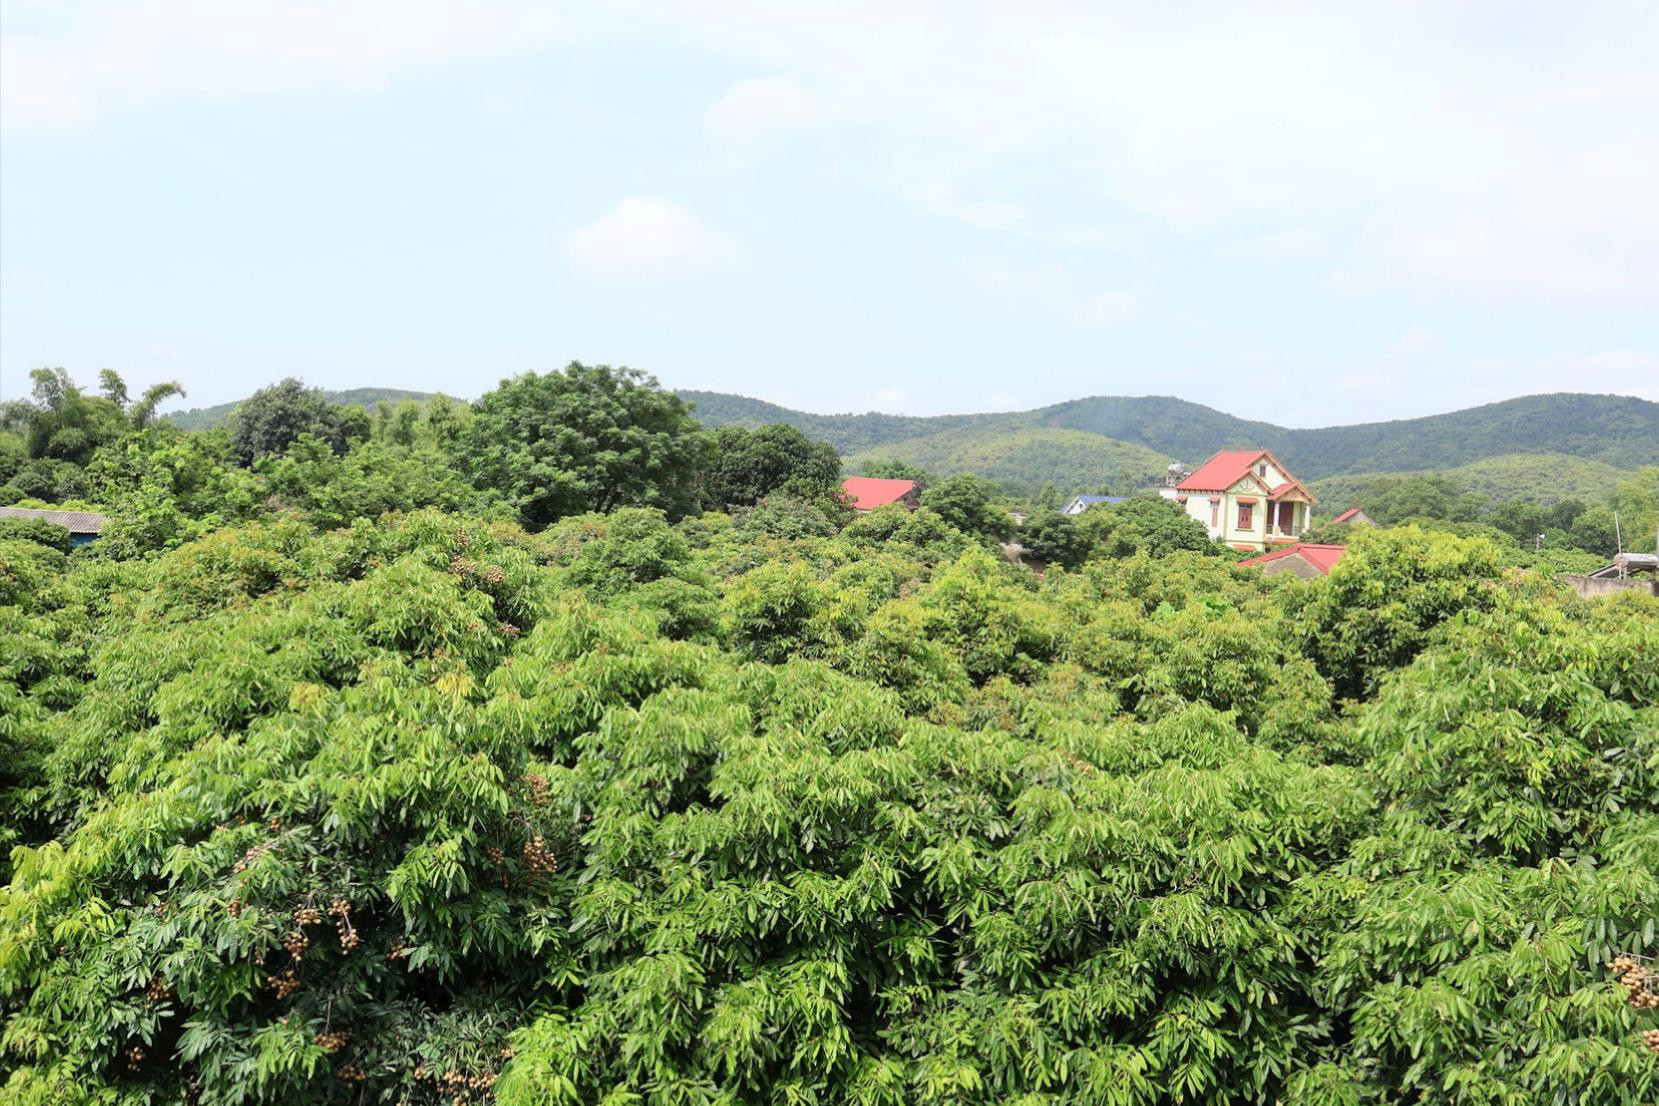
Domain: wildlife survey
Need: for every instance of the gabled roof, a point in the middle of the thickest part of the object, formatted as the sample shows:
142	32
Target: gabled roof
1346	515
1221	471
1292	486
867	492
76	522
1231	465
1322	557
1091	500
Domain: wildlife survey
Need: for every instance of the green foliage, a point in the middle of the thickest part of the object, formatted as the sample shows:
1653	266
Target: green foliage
274	418
1387	595
1149	524
745	466
220	416
321	784
1023	458
967	503
586	438
38	530
1055	539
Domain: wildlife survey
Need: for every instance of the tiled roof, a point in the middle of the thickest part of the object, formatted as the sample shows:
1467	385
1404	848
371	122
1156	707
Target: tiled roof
868	492
1346	515
76	522
1322	557
1221	471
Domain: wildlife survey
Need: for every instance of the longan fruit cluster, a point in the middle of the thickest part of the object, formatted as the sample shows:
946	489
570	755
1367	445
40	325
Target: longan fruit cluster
252	855
296	942
399	949
334	1040
458	1085
340	908
135	1057
158	991
308	916
539	787
1651	1040
285	982
539	857
351	1073
1641	984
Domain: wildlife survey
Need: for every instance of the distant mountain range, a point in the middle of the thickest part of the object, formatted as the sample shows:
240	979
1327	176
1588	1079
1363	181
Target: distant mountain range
1617	430
1117	440
206	418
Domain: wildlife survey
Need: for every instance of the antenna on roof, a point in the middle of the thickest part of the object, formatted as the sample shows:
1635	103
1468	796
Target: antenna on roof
1618	535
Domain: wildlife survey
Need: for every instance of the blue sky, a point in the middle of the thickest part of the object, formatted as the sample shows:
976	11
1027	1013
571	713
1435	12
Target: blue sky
1308	213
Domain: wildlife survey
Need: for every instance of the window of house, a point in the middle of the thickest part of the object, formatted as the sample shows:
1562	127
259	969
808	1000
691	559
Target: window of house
1261	469
1215	512
1246	515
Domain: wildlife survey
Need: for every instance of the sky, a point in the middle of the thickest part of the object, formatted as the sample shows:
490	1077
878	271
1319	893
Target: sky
1311	213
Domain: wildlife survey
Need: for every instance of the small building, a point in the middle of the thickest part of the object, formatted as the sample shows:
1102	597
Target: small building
1302	559
1629	571
1355	516
1246	498
83	526
1082	503
866	493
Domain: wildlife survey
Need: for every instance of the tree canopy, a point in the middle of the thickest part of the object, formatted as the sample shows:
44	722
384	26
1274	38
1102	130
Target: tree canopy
584	438
328	780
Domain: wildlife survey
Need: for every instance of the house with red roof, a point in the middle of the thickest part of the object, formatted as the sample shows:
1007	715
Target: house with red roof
1355	516
866	493
1301	559
1246	498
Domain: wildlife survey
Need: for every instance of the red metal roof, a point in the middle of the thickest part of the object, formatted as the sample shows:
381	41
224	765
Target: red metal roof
1322	557
1346	515
1221	471
867	492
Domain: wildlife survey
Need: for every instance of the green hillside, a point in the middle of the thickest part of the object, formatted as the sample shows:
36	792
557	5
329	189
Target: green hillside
848	433
1022	460
206	418
1618	430
1530	477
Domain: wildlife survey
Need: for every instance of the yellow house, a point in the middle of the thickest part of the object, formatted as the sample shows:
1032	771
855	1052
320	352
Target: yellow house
1246	498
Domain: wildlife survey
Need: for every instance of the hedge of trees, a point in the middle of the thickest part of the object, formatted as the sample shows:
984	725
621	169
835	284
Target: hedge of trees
353	789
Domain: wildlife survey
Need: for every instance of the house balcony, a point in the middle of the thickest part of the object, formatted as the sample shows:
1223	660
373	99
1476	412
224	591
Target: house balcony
1285	533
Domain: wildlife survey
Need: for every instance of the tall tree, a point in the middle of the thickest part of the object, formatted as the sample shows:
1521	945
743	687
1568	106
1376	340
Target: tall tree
745	466
585	438
273	418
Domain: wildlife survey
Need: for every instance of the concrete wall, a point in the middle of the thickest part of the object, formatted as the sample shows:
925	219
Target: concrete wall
1590	587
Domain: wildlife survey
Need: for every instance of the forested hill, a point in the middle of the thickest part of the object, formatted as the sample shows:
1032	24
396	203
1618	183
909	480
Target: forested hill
1618	430
1027	446
848	433
206	418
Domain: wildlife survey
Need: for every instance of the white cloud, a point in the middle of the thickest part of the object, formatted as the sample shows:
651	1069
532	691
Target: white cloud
1415	341
644	240
893	401
944	199
752	109
1483	152
1283	245
1109	309
1611	364
70	64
